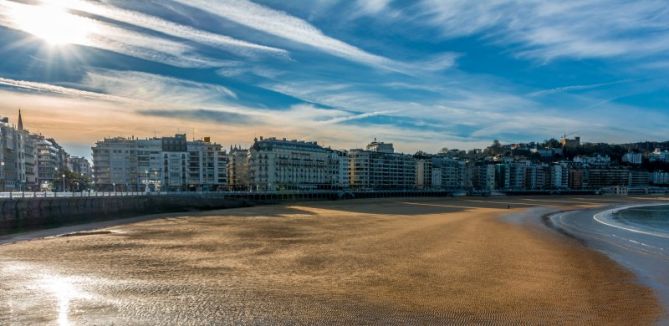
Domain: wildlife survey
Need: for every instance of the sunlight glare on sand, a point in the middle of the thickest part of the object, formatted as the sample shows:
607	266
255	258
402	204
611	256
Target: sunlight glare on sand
63	291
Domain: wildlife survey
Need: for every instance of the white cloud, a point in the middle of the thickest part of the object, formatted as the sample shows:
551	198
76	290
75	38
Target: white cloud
547	29
371	7
59	90
224	42
283	25
116	39
156	88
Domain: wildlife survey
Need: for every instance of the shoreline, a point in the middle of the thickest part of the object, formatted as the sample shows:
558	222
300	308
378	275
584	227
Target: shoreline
399	260
634	250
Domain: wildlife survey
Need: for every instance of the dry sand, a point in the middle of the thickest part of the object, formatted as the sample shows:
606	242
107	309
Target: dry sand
411	260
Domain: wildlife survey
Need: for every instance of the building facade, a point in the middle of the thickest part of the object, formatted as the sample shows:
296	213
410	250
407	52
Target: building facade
281	164
159	164
380	168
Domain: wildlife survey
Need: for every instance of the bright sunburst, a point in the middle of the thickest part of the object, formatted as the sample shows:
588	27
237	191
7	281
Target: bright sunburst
53	24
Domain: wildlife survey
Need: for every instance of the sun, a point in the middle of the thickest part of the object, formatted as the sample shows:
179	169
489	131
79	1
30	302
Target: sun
53	24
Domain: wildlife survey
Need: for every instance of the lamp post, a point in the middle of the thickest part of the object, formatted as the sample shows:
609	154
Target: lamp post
55	176
63	182
2	175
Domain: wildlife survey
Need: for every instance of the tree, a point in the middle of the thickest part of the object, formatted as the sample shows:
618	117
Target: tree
75	181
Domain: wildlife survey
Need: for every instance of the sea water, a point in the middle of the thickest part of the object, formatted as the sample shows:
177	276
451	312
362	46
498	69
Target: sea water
651	220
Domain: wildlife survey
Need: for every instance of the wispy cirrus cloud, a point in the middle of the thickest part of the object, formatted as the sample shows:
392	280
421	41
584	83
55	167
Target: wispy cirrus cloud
572	88
201	115
59	90
295	29
547	30
155	88
113	38
224	42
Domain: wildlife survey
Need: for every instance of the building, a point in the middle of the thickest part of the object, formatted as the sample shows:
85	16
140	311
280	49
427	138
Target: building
281	164
423	171
343	169
382	147
601	178
165	164
659	155
450	174
570	143
207	166
380	168
238	169
596	160
639	178
80	166
660	178
483	177
559	176
633	158
537	176
578	178
503	176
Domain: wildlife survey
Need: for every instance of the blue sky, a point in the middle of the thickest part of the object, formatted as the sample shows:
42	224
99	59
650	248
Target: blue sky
423	74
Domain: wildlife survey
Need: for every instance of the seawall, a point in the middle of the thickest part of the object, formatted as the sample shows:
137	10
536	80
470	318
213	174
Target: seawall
23	214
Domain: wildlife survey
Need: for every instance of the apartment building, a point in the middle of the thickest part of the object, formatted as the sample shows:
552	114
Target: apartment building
165	164
379	167
281	164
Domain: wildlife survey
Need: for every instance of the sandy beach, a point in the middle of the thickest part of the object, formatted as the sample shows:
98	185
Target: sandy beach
376	261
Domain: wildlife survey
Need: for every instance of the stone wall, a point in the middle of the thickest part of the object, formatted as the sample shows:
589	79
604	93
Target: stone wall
22	214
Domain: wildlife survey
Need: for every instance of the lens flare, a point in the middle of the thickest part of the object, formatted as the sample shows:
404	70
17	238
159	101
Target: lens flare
53	24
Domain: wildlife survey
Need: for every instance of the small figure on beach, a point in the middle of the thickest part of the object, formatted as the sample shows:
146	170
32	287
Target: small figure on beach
508	206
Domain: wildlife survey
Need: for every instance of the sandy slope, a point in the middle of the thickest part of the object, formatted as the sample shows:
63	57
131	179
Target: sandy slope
362	261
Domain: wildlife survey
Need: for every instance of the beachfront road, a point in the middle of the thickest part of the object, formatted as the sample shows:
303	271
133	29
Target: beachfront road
411	260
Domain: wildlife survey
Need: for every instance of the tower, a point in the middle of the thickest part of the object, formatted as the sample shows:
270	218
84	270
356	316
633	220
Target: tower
20	121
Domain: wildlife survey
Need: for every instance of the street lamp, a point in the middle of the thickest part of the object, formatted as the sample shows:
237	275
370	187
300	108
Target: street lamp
55	175
2	174
146	180
63	182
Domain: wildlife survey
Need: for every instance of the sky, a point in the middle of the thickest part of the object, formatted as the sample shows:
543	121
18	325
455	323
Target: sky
423	74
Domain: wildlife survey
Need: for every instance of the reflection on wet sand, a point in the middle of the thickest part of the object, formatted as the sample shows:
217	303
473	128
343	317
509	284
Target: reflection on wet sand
417	260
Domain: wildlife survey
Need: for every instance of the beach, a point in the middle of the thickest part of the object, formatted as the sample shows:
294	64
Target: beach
645	252
373	261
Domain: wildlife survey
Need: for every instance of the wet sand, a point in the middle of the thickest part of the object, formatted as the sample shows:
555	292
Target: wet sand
377	261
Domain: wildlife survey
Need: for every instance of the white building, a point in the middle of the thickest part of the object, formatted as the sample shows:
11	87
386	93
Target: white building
280	164
659	155
450	174
382	147
207	165
343	169
18	157
559	176
165	164
380	168
593	161
633	158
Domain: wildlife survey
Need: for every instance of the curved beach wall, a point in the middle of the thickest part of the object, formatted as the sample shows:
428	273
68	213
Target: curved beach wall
20	214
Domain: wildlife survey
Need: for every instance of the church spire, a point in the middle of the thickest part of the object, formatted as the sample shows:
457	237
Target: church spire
20	121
